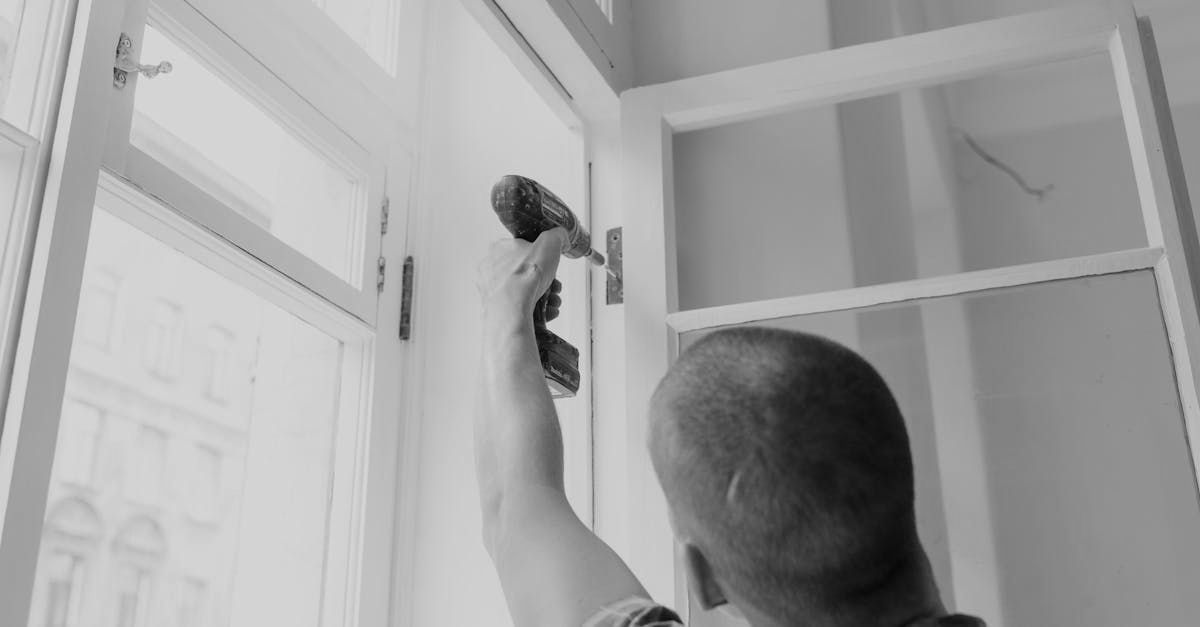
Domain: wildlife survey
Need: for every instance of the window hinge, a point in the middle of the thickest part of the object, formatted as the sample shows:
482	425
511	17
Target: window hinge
381	276
406	298
124	64
384	213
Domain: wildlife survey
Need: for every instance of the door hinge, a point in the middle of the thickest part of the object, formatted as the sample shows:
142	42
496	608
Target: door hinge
406	298
385	211
614	292
381	276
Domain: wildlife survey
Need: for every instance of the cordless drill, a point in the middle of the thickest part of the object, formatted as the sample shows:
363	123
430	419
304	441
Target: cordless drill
527	209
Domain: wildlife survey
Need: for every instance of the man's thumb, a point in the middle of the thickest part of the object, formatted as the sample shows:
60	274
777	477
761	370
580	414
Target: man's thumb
549	245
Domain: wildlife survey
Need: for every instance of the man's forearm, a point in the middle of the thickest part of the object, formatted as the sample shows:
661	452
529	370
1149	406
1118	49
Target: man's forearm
516	425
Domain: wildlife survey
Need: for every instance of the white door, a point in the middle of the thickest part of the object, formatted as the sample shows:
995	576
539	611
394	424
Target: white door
205	417
1048	374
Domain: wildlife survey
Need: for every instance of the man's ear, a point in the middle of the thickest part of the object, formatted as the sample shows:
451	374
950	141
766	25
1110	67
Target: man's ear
701	579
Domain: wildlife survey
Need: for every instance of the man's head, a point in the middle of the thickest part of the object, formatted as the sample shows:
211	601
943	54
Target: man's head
786	464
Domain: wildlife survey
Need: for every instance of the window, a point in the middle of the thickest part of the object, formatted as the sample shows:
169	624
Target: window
133	598
32	56
146	475
373	24
245	196
272	175
97	309
164	334
79	441
222	375
64	589
206	482
193	595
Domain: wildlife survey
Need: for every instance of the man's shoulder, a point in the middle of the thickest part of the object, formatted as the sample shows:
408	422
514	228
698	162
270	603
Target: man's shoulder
635	612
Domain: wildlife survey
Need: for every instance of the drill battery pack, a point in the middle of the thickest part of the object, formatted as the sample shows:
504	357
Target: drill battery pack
560	362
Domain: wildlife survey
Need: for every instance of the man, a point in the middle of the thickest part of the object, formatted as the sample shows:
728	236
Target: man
783	456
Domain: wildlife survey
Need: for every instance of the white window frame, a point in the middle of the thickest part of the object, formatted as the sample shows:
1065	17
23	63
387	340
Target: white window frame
650	116
39	67
365	114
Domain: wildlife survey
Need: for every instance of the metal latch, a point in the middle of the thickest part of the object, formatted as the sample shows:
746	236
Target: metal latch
614	293
381	275
125	64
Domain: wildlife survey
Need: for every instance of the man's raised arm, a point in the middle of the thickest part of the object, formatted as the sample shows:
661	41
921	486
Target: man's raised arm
555	572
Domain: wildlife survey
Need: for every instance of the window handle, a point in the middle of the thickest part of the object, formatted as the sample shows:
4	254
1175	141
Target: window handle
125	64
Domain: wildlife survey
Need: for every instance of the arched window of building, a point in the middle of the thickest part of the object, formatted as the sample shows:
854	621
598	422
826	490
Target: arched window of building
73	530
140	547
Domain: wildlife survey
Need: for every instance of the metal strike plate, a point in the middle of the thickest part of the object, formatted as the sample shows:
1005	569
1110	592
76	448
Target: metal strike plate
615	283
406	298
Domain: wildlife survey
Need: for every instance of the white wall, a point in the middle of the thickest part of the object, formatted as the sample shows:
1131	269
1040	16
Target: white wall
481	121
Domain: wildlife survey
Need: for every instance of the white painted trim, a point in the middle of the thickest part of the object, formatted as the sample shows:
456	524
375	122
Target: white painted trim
538	37
56	272
650	294
305	50
1166	206
259	83
15	242
198	240
883	67
918	289
195	204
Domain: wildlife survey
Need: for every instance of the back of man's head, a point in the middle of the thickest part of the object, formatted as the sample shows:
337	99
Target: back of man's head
786	462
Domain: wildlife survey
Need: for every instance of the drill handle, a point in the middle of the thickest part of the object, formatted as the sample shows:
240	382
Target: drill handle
547	307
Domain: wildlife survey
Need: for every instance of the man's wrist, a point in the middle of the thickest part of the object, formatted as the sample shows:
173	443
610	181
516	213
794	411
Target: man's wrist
505	320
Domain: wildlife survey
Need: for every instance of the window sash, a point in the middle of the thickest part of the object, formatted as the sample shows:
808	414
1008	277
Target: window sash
85	170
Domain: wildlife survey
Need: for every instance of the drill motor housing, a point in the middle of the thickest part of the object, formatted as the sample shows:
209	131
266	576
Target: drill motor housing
527	210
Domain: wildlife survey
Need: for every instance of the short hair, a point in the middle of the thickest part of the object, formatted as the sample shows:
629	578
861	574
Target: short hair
788	460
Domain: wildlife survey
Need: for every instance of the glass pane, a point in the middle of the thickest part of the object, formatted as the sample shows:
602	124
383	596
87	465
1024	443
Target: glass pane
1054	480
1016	167
30	40
172	505
372	24
248	160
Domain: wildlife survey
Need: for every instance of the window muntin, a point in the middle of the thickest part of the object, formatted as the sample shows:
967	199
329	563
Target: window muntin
249	160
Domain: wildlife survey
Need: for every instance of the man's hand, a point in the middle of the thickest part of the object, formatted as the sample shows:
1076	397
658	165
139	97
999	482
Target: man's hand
554	570
516	273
